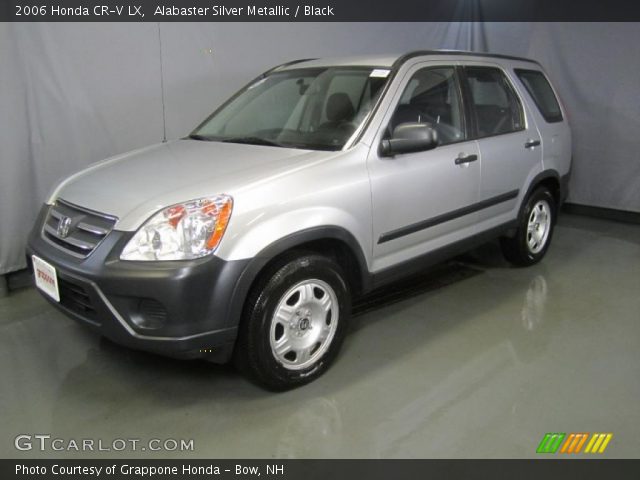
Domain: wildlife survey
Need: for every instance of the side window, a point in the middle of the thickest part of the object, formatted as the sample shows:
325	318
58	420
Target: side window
540	90
432	96
496	106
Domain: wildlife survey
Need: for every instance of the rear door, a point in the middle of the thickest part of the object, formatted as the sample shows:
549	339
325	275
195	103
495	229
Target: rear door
509	142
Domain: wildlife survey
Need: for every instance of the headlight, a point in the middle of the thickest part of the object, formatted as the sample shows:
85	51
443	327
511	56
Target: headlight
181	232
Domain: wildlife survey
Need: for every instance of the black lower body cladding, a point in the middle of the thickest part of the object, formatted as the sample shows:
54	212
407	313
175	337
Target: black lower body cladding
182	309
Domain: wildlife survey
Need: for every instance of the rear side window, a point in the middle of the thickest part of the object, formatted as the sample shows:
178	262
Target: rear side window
496	106
540	90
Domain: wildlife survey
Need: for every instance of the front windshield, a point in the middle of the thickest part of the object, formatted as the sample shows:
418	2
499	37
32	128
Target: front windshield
311	108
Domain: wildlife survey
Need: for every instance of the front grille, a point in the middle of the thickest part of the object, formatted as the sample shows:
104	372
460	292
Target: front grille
76	230
75	298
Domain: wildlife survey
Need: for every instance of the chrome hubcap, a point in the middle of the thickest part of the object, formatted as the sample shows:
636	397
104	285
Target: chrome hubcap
304	324
538	226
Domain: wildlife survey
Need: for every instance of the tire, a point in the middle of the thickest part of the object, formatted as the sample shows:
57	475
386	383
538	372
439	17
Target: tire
294	322
534	231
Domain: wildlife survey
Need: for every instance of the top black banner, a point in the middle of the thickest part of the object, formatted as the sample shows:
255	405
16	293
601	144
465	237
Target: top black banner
319	10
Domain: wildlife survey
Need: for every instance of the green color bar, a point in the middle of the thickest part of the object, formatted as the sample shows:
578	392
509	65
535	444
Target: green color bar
542	448
550	442
558	442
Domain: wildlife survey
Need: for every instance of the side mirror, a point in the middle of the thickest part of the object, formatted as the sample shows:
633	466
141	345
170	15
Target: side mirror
410	137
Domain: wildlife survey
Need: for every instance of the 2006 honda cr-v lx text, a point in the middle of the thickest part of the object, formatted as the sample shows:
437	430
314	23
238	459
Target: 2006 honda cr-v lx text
317	182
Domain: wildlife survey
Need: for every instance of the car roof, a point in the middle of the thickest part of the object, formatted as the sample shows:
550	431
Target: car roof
389	60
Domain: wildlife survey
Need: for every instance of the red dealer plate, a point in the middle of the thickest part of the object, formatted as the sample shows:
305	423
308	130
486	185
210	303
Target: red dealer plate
46	277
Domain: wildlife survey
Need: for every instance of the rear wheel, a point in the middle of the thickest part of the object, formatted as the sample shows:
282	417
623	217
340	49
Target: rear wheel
535	228
294	322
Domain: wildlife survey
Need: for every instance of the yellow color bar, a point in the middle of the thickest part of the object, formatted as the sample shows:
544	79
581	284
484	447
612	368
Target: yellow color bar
598	442
591	442
607	439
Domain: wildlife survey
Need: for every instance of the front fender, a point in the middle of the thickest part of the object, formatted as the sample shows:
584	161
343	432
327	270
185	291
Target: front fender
253	239
285	243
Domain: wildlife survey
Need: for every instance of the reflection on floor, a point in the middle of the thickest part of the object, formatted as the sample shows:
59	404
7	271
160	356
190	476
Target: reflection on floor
474	359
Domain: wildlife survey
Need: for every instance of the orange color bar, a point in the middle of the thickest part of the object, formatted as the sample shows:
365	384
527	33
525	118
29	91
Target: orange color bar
581	443
568	442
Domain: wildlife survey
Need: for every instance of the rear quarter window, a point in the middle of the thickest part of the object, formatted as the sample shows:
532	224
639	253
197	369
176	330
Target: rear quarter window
540	90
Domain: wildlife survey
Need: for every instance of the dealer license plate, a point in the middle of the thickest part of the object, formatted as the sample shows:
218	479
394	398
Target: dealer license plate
46	277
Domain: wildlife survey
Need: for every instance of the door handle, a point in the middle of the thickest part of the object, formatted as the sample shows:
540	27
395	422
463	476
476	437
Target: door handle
531	143
465	159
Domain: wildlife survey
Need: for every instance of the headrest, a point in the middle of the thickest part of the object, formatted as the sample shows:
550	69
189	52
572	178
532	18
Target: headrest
339	107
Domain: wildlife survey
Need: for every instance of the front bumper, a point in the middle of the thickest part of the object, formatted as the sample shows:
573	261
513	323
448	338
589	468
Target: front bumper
180	309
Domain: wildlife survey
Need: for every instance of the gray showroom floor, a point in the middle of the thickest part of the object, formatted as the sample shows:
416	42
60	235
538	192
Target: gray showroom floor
474	360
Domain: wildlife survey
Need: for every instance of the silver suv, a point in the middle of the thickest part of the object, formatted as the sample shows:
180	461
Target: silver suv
317	182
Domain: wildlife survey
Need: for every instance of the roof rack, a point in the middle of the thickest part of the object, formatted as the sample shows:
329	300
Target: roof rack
286	64
419	53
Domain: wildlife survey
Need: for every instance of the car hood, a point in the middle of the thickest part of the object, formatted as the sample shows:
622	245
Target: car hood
137	184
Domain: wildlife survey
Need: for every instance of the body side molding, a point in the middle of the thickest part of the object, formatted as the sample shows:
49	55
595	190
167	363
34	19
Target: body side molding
446	217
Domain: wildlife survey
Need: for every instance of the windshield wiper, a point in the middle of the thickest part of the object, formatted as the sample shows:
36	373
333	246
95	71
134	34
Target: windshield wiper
252	141
197	136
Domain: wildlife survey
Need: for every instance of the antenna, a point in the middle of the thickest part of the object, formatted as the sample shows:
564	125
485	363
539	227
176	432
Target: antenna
164	120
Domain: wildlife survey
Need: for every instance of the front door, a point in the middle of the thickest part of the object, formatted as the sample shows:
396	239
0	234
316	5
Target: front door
424	200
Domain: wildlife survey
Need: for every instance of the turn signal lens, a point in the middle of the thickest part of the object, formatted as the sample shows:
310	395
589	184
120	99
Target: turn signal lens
223	214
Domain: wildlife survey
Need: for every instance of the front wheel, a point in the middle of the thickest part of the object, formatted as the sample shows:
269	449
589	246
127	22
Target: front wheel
534	231
294	322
